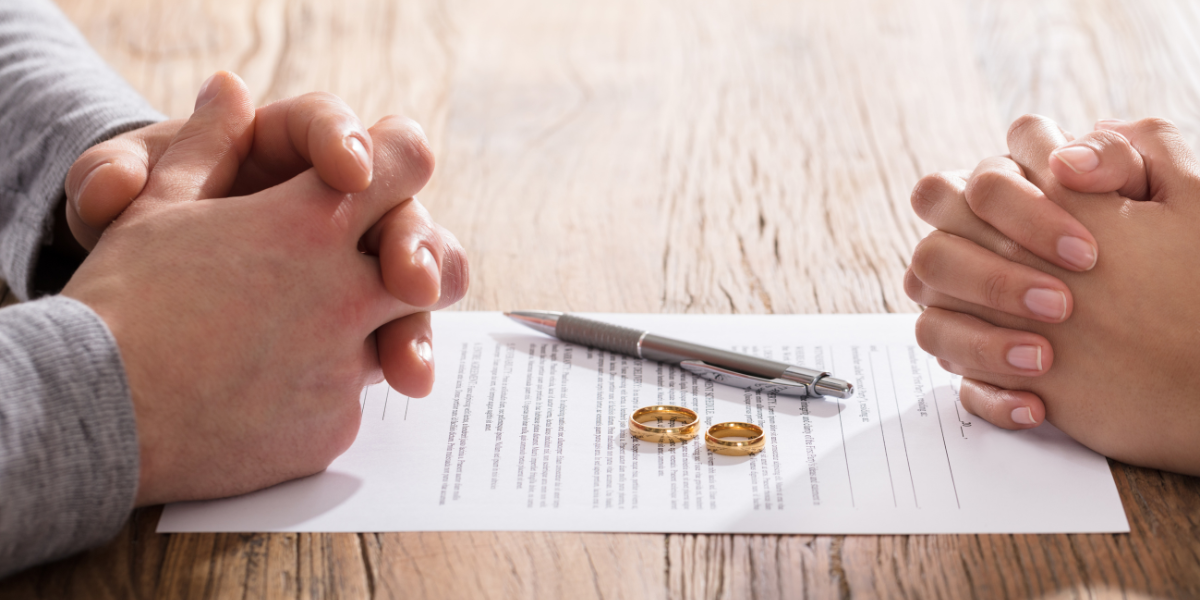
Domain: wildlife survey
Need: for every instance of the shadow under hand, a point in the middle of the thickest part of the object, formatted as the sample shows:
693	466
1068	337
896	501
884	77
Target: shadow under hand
280	507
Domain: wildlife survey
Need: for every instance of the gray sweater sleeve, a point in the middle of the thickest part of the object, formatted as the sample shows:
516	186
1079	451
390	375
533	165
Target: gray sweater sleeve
68	441
57	99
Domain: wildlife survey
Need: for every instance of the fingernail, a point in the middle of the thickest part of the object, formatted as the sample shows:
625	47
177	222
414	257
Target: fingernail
1080	159
1077	252
425	351
424	258
1051	304
1023	416
1028	358
1107	123
359	151
208	91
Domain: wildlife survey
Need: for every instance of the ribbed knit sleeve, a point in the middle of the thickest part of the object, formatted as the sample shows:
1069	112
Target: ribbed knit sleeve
57	98
68	440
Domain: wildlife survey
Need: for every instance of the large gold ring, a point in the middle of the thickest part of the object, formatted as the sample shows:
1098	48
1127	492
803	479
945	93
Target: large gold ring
686	426
753	444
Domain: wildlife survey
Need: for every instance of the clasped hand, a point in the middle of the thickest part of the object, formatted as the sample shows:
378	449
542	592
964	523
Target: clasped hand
248	325
1061	284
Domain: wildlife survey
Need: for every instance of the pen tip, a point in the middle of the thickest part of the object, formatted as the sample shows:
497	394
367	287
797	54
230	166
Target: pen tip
542	321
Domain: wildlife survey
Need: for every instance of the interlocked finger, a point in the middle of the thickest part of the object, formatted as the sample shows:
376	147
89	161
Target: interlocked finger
1009	409
976	345
962	269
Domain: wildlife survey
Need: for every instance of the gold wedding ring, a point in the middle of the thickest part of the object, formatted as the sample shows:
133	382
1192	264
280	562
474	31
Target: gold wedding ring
753	444
686	426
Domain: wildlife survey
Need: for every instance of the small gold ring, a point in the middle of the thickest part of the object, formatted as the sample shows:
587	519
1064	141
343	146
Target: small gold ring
662	435
753	444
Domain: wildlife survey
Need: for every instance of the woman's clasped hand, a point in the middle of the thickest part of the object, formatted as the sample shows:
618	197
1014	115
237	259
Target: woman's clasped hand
1062	281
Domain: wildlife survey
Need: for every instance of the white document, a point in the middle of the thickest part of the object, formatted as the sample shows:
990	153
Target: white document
525	432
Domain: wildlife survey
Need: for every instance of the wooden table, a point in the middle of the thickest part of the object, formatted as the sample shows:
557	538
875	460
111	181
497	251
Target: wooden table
673	156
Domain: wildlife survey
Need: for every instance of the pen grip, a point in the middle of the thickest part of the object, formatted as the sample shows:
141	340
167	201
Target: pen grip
586	332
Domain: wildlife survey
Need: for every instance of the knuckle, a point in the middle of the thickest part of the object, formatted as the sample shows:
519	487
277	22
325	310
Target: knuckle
932	242
985	185
1026	124
320	104
320	114
1156	126
1009	249
410	147
1105	138
456	270
325	124
420	156
929	194
914	287
320	98
950	367
995	288
926	331
981	351
928	254
972	400
987	402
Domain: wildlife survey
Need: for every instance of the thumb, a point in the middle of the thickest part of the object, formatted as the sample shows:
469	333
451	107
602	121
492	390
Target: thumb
1171	164
202	160
101	184
107	177
1100	162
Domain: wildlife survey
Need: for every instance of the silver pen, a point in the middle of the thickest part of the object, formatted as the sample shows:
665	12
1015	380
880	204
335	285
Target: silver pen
730	368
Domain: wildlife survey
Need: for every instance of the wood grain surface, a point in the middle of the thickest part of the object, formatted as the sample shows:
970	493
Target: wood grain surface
672	156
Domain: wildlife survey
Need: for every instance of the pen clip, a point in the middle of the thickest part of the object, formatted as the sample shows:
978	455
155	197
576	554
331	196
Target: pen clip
743	380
